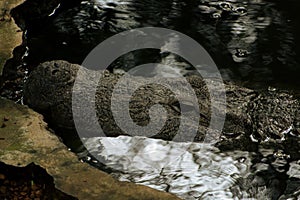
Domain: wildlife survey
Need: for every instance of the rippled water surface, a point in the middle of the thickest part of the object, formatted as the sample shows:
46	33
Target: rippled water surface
191	171
254	43
198	171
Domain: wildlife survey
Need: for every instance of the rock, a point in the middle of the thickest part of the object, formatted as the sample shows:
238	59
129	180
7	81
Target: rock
9	32
249	114
27	139
28	182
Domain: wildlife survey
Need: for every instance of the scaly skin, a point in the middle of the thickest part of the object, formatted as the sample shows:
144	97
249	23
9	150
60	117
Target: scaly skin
263	115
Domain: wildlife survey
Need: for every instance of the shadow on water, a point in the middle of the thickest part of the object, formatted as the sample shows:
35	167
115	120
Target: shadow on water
254	43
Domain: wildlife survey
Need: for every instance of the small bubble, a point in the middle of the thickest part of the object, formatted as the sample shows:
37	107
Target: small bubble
253	139
88	158
225	6
242	159
240	11
240	53
267	139
271	89
216	15
281	155
95	161
295	133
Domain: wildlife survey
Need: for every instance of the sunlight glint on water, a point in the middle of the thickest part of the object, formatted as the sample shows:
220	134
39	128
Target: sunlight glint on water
190	171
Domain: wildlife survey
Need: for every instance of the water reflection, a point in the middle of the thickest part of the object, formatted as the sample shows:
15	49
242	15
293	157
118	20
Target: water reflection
253	42
199	171
191	171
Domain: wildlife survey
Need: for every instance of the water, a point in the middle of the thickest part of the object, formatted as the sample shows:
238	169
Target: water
254	43
189	170
199	171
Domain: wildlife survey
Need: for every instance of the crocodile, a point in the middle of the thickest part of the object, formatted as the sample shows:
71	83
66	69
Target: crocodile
251	116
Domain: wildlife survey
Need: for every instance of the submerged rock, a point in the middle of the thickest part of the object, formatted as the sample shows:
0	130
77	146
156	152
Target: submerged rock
250	115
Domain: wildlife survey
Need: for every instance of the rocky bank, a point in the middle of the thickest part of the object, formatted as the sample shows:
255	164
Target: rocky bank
25	139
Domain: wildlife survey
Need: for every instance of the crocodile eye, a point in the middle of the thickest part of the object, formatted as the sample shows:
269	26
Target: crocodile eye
186	107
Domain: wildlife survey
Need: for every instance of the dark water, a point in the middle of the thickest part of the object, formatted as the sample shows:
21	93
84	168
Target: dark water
254	43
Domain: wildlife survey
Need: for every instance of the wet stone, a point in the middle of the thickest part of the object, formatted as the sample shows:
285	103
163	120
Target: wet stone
49	178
